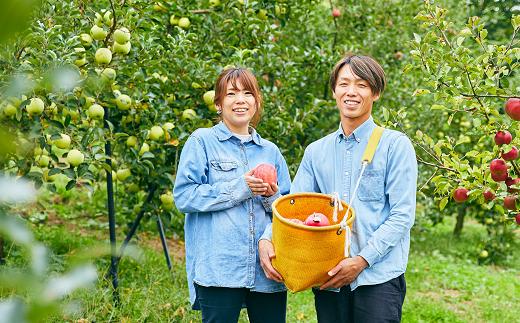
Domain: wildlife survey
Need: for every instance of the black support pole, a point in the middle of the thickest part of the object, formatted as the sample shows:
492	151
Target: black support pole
111	216
2	256
136	222
163	241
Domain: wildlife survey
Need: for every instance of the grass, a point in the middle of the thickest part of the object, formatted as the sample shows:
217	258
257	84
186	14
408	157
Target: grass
444	281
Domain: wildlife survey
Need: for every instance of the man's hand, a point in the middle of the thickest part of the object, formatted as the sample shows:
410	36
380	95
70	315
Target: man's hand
266	252
345	272
256	185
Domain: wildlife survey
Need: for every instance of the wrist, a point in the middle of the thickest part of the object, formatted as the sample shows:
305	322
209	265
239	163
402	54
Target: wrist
361	262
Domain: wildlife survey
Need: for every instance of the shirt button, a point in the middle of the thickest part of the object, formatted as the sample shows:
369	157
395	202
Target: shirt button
346	173
348	152
345	194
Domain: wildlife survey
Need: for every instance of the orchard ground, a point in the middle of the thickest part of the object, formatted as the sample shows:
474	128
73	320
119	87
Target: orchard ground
444	282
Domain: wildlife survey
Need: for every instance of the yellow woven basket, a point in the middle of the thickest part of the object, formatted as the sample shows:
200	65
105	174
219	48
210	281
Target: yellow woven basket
305	254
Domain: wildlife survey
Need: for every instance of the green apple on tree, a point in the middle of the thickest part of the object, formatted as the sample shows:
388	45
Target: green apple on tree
108	74
209	98
122	35
122	48
103	56
156	133
43	160
9	110
107	18
123	102
188	114
167	200
144	148
63	142
159	7
123	173
35	106
75	157
96	111
131	141
184	23
98	33
98	20
168	126
174	21
86	40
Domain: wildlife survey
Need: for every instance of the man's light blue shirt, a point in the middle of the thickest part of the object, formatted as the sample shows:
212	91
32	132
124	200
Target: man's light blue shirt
224	220
384	203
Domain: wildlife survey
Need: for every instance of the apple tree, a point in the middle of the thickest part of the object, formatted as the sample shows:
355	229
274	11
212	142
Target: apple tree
473	81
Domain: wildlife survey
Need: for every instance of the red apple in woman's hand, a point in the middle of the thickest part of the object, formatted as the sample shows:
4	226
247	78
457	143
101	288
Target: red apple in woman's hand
317	220
266	172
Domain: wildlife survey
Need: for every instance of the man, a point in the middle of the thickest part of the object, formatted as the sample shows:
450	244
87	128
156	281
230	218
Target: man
372	284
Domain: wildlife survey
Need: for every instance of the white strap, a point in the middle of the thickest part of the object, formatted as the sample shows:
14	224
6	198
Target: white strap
338	206
343	224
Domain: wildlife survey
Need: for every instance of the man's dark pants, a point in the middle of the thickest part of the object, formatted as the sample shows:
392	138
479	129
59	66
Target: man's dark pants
366	304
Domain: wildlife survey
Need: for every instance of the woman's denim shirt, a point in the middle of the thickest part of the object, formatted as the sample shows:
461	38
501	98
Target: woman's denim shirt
224	220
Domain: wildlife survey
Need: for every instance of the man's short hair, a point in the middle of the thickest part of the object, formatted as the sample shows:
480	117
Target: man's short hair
365	67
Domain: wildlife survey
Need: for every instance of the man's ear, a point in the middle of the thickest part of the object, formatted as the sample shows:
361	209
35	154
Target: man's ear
376	97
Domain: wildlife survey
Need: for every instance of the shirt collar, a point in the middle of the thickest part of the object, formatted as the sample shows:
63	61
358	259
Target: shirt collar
223	133
360	133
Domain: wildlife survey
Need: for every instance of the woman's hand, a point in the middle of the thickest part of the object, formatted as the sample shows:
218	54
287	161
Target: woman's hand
258	186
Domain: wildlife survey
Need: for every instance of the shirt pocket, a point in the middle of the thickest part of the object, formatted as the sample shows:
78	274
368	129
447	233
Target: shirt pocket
371	187
222	170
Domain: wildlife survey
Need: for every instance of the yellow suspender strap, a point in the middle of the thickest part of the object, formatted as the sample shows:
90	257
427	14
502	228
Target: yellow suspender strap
372	144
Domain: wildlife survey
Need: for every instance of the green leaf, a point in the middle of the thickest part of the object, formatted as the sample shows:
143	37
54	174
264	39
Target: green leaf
54	171
515	21
438	107
443	203
386	114
70	185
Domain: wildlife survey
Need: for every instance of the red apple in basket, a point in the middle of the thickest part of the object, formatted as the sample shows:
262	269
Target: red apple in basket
317	220
266	172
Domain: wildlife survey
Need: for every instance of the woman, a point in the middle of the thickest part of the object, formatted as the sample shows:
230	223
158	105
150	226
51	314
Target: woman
227	208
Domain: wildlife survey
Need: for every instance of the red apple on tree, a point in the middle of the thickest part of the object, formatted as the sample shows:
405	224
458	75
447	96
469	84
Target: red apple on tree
510	202
460	194
503	137
513	108
266	172
510	182
498	169
317	220
511	155
336	13
517	218
488	195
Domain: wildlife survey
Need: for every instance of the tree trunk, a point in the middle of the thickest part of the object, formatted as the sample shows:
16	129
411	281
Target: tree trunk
461	212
